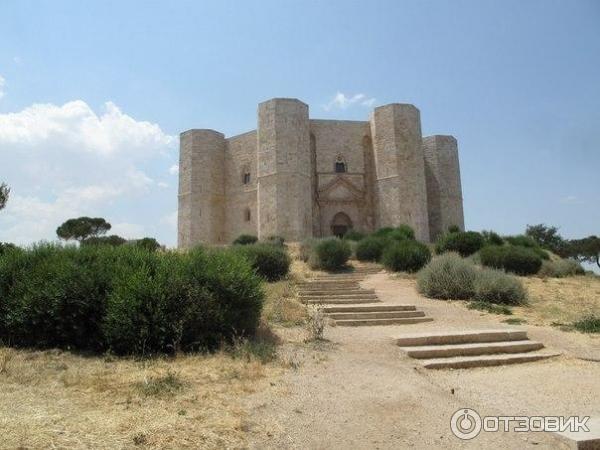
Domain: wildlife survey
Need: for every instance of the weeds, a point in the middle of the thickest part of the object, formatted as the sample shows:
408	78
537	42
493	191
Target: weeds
163	385
490	308
315	324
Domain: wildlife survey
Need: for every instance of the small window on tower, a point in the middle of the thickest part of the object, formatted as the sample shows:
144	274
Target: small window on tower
246	177
247	215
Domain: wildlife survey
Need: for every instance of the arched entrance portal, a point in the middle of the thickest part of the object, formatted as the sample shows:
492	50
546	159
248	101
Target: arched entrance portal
340	224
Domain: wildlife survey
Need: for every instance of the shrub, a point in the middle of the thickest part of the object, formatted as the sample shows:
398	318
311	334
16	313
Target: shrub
492	238
406	256
245	239
495	286
275	240
447	276
490	307
5	247
370	248
454	229
113	240
588	324
125	298
560	268
307	248
401	233
516	259
464	243
271	262
148	243
354	235
521	240
383	232
330	254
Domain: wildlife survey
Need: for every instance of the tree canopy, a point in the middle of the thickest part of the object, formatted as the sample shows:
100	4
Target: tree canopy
4	191
586	249
547	237
83	228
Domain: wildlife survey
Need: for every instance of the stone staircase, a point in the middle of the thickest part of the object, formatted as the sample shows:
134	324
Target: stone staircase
466	349
345	302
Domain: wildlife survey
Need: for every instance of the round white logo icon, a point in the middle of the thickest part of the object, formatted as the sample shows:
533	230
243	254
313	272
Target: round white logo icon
465	423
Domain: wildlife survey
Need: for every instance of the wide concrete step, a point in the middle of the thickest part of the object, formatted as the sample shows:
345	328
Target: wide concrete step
460	337
375	315
465	362
373	322
336	292
368	308
327	286
343	301
336	295
328	283
486	348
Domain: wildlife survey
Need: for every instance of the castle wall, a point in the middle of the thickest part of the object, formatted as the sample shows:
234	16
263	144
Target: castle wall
392	176
444	191
341	139
201	211
241	158
284	170
400	169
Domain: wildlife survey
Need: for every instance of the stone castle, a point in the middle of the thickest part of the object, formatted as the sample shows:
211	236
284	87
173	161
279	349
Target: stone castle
298	177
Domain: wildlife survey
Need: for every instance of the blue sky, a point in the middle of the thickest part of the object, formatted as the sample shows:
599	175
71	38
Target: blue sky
94	94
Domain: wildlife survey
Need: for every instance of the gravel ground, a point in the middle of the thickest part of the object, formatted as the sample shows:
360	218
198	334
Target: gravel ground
358	390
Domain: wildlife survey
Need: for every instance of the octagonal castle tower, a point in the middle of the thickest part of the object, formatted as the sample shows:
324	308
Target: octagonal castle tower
298	177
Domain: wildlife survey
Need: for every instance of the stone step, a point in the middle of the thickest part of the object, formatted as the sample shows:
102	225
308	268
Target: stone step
340	295
335	292
375	315
368	308
372	322
460	337
465	362
344	301
328	285
485	348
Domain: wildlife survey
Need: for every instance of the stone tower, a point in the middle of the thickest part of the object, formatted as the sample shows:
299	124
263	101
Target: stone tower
400	168
284	170
444	190
201	189
298	177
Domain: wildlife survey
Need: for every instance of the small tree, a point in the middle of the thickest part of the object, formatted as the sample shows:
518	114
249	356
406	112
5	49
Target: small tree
546	237
83	228
4	191
586	249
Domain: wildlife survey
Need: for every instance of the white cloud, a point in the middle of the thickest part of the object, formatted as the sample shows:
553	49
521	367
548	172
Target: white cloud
2	83
128	230
162	184
77	128
174	169
67	161
343	101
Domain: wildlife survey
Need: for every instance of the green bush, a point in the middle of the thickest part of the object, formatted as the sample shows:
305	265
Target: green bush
307	248
465	243
330	254
383	232
245	239
588	324
354	235
113	240
6	246
405	256
560	268
125	298
454	229
402	233
148	243
275	240
271	262
515	259
447	276
492	238
370	248
495	286
521	240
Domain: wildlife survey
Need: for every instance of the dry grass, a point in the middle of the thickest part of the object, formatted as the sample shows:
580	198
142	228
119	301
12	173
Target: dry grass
282	306
57	399
560	300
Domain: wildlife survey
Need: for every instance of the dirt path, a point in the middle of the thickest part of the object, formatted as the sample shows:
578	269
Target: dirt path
359	391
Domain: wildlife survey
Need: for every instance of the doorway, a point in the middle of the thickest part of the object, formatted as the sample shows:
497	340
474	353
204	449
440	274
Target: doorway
340	224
